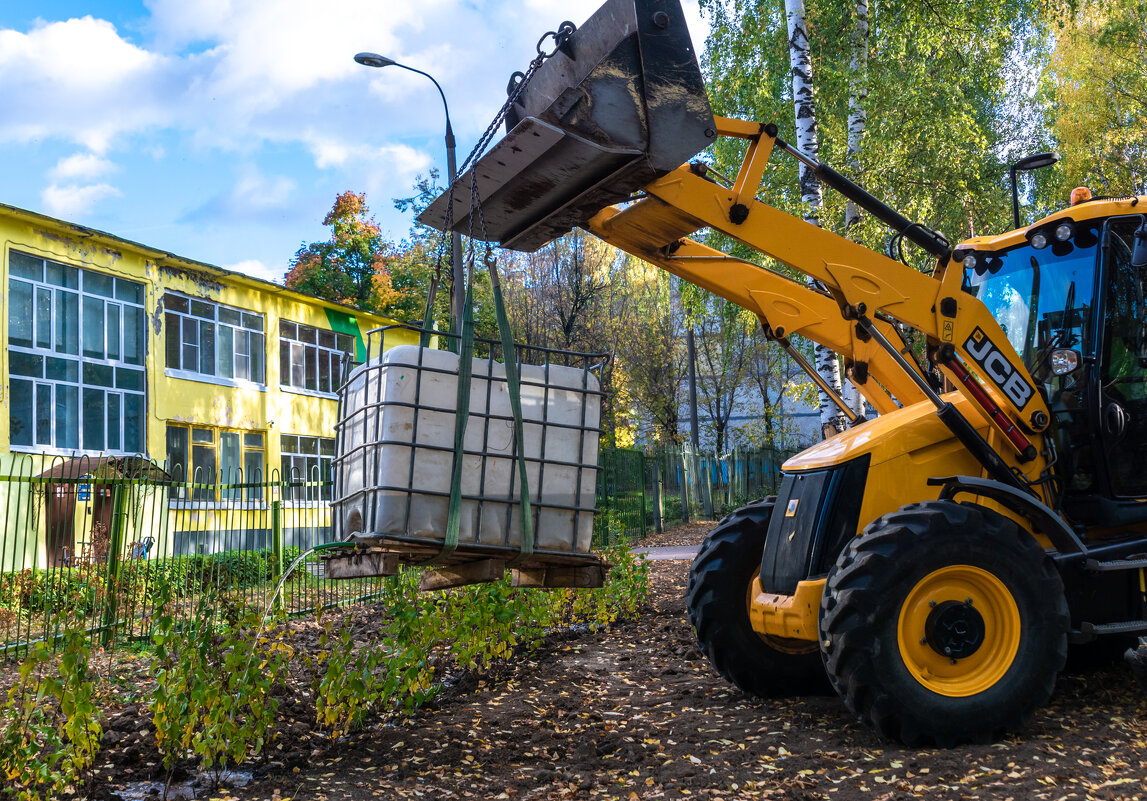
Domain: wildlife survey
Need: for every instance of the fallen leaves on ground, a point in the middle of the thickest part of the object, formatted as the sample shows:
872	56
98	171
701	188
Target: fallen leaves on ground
636	712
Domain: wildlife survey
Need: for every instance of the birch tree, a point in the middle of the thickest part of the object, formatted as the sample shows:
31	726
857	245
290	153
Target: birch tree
800	60
857	121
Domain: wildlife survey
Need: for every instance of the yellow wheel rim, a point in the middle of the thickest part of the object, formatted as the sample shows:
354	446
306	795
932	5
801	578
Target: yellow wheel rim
952	588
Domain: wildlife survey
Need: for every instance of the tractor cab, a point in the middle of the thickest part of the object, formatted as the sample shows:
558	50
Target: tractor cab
1069	295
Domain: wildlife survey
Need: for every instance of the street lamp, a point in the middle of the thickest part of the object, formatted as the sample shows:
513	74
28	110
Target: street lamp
375	60
1038	161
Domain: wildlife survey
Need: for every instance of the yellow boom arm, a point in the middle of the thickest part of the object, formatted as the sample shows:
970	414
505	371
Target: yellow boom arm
972	349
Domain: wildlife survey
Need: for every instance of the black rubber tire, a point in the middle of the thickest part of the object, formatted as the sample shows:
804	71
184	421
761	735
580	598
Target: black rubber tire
860	617
717	601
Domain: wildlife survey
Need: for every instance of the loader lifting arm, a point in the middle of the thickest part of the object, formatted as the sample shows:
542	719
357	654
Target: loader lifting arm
600	137
967	340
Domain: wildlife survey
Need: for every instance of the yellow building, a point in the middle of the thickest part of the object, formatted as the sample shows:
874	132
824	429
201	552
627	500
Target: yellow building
115	348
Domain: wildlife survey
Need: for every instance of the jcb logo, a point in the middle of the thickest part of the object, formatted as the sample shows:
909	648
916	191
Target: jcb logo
1010	381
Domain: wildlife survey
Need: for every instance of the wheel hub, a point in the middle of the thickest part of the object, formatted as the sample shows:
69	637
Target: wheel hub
954	629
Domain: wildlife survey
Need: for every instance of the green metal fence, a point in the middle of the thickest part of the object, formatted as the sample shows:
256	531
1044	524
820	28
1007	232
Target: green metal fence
639	492
88	542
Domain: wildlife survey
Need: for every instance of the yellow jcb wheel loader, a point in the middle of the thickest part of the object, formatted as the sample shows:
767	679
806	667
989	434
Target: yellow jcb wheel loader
936	562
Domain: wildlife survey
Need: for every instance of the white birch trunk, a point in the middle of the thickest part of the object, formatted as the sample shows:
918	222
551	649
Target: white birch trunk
800	61
858	94
857	121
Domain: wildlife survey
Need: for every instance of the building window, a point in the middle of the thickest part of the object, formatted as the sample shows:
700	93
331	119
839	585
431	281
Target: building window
311	358
76	349
213	340
212	458
307	465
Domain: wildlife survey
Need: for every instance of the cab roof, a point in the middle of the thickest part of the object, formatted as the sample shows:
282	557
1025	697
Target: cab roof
1087	210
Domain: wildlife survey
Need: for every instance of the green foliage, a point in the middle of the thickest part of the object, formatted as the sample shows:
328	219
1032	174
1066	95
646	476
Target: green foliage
212	693
345	681
64	590
1095	85
359	267
609	525
51	723
475	625
626	589
488	622
242	568
81	591
351	680
347	267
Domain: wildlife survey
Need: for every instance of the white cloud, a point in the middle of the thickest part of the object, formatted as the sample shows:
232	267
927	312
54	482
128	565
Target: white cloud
401	162
329	153
74	200
81	165
80	82
257	269
236	74
262	192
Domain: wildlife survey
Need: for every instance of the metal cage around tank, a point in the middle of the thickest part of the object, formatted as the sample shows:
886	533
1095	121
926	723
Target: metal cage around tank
395	449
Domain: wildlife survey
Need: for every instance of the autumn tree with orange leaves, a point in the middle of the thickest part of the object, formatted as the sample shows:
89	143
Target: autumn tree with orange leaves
357	265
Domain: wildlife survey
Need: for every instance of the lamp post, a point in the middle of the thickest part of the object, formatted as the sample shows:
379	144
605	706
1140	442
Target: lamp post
1038	161
375	60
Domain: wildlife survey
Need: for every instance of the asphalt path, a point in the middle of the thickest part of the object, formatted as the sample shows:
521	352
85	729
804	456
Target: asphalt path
670	552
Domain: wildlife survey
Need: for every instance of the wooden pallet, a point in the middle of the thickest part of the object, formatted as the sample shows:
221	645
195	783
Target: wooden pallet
469	563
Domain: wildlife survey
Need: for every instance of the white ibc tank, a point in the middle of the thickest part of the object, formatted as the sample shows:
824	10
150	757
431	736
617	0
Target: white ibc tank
397	449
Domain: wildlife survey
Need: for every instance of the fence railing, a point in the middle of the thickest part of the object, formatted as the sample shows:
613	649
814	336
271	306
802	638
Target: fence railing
638	491
90	542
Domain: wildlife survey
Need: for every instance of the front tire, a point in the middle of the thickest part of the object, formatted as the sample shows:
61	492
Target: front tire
944	623
718	603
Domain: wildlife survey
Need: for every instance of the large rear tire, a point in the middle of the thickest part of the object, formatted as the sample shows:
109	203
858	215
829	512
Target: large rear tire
944	623
718	603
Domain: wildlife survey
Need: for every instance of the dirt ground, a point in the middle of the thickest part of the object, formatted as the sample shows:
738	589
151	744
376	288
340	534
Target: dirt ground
637	713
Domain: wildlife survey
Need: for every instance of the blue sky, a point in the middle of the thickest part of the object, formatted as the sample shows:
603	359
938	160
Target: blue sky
221	130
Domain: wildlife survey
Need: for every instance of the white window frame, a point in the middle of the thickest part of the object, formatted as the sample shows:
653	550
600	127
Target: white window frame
286	475
183	497
292	344
182	317
51	351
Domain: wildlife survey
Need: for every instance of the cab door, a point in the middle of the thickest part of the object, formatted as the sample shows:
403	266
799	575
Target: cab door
1122	396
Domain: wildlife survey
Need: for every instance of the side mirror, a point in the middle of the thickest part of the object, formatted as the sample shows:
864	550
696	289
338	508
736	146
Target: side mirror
1139	252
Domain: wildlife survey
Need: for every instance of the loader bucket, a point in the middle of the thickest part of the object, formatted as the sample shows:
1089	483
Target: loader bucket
621	104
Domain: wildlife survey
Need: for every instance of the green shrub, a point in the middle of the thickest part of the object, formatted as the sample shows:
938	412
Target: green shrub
183	574
240	569
213	683
51	729
63	590
626	589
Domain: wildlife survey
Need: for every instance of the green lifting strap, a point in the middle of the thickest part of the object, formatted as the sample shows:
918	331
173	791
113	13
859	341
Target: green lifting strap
428	315
513	386
510	356
461	418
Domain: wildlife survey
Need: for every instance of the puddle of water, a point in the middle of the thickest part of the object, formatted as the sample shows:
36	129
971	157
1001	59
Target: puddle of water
140	791
199	787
